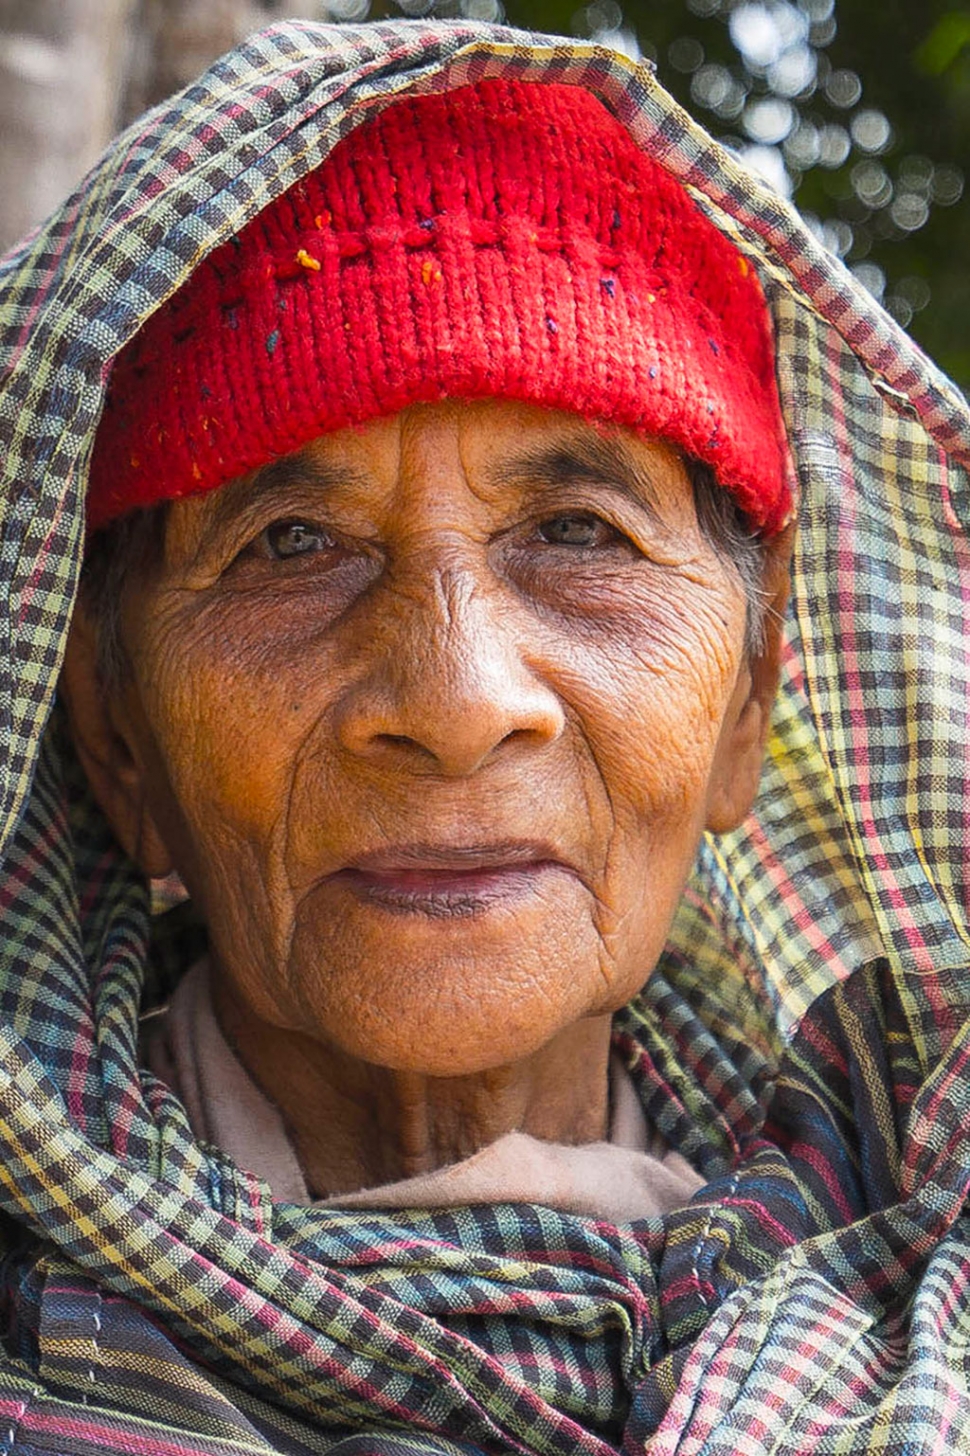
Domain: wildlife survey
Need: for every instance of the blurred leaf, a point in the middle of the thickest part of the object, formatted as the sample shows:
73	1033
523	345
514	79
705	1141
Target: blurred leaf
949	36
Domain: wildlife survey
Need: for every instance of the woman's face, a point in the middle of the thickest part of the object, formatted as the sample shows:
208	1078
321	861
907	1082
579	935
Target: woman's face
430	717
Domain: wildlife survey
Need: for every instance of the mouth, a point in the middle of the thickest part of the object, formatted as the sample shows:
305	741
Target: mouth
444	882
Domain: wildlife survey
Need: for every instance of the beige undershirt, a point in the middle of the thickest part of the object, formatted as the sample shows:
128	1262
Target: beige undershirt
633	1175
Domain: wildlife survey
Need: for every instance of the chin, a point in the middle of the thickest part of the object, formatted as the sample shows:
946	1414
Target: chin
434	1012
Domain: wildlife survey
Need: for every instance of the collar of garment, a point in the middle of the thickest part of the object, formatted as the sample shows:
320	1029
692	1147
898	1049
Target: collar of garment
631	1175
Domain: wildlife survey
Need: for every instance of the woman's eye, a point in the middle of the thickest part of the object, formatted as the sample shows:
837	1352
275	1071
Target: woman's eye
284	539
577	529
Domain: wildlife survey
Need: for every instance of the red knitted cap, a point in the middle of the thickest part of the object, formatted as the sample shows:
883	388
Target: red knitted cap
504	239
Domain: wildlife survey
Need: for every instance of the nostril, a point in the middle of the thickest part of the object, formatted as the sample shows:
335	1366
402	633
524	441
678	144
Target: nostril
405	741
516	735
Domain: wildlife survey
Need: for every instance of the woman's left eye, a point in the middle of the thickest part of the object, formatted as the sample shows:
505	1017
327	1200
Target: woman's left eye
285	539
577	528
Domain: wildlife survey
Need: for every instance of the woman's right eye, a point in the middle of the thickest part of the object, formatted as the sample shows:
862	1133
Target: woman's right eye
282	540
575	528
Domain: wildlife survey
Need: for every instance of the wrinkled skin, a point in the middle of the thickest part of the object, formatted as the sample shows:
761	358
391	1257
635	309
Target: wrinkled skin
430	718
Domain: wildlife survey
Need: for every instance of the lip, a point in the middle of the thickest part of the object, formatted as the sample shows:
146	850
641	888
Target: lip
445	881
496	855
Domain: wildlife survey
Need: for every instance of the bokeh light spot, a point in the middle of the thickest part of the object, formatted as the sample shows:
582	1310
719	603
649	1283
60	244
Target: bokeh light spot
803	146
871	184
909	211
768	164
947	186
843	89
794	72
834	145
685	54
872	278
871	131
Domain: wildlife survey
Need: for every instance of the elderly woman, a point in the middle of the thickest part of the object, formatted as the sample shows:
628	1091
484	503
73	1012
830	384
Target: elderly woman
437	495
437	657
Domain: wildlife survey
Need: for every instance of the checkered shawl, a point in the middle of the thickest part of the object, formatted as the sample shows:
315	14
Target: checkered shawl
815	1295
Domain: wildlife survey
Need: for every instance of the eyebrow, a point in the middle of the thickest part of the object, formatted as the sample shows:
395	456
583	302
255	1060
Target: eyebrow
278	475
591	461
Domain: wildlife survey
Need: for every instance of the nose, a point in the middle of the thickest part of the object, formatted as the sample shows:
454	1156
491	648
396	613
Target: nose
446	684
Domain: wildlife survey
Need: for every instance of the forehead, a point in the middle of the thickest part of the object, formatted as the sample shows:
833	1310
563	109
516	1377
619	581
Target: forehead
488	451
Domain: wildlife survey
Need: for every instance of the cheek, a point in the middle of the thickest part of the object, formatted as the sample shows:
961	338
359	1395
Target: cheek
652	698
651	688
223	756
227	733
230	724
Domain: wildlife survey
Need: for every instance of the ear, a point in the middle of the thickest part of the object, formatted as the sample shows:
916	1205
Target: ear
741	748
102	720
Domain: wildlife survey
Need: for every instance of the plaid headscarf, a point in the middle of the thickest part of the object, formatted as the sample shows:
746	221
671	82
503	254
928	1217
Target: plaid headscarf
815	1295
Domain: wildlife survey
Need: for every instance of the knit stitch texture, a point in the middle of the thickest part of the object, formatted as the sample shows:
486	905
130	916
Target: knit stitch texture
502	239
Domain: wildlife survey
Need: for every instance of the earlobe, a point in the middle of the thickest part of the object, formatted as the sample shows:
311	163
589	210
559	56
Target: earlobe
737	767
741	750
106	746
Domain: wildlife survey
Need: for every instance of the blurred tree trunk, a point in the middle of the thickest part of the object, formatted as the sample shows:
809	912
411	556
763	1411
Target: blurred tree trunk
73	71
61	63
174	40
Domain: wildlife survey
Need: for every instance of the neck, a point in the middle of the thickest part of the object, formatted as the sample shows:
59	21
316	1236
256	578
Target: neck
355	1125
